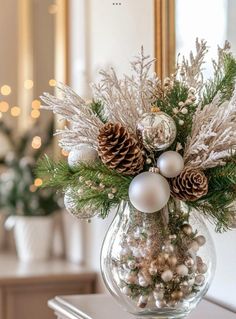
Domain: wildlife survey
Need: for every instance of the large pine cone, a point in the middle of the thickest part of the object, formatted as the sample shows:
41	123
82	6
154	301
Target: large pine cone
119	150
190	185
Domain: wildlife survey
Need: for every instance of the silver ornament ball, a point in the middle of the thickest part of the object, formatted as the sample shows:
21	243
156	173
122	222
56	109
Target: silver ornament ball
170	164
84	153
149	192
157	131
70	206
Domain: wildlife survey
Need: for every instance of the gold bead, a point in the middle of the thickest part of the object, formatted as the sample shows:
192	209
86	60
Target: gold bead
155	109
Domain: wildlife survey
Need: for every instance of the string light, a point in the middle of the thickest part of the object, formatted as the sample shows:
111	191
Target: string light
52	9
35	114
36	104
5	90
36	142
64	153
52	82
28	84
15	111
38	182
4	106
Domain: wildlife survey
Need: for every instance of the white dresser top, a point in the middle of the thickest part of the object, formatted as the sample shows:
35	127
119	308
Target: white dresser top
104	307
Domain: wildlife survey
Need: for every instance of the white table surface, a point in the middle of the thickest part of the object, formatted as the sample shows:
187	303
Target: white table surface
104	307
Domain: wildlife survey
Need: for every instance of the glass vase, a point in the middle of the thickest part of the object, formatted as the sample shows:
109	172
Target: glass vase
158	265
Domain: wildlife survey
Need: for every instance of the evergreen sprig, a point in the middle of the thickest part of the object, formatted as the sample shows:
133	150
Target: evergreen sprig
223	81
97	108
93	185
178	93
221	195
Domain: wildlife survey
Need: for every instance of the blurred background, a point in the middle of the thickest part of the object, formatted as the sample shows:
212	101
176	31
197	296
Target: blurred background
43	250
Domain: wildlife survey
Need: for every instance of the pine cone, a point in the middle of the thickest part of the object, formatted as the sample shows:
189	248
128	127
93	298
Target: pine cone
190	185
119	150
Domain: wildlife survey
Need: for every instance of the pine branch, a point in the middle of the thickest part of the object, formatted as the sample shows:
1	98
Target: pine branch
93	184
223	81
97	109
178	93
217	204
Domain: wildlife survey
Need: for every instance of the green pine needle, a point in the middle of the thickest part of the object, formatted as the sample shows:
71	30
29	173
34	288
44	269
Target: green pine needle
97	108
223	81
99	187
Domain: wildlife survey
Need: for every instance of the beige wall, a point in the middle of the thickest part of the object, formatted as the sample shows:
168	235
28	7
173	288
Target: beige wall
42	46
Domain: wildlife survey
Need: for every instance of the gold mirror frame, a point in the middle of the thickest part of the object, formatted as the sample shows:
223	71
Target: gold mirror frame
164	42
164	11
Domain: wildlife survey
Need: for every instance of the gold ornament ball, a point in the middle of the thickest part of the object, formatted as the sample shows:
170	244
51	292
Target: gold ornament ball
157	131
177	295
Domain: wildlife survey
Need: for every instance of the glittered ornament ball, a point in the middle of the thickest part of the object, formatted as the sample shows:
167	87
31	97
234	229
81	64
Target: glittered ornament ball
84	153
157	131
70	205
170	164
149	192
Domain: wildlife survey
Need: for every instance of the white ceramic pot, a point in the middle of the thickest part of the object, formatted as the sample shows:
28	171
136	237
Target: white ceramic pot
74	232
33	237
2	229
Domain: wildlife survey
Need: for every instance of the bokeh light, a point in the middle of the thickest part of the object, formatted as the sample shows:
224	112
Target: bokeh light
36	142
28	84
36	104
32	188
15	111
5	90
52	82
35	114
4	106
64	153
38	182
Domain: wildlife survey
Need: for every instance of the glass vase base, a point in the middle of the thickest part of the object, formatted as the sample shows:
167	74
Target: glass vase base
160	317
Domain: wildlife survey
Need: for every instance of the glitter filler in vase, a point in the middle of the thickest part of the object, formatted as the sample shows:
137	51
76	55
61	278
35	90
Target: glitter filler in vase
155	269
160	151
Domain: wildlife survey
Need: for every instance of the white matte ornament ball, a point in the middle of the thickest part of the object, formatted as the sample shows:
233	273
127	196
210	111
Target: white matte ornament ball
182	270
149	192
84	153
167	276
170	164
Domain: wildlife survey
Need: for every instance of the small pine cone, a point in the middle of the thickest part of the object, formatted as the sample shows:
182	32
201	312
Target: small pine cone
119	150
190	185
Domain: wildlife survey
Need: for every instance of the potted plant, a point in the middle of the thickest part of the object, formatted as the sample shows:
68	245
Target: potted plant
30	209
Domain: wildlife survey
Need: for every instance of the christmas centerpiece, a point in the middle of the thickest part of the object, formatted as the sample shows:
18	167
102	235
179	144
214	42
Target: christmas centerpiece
163	153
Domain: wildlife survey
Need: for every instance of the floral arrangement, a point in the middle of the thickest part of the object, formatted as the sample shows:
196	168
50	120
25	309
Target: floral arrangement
150	142
148	146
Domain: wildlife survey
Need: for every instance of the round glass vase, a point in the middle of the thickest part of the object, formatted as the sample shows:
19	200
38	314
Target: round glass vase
158	265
